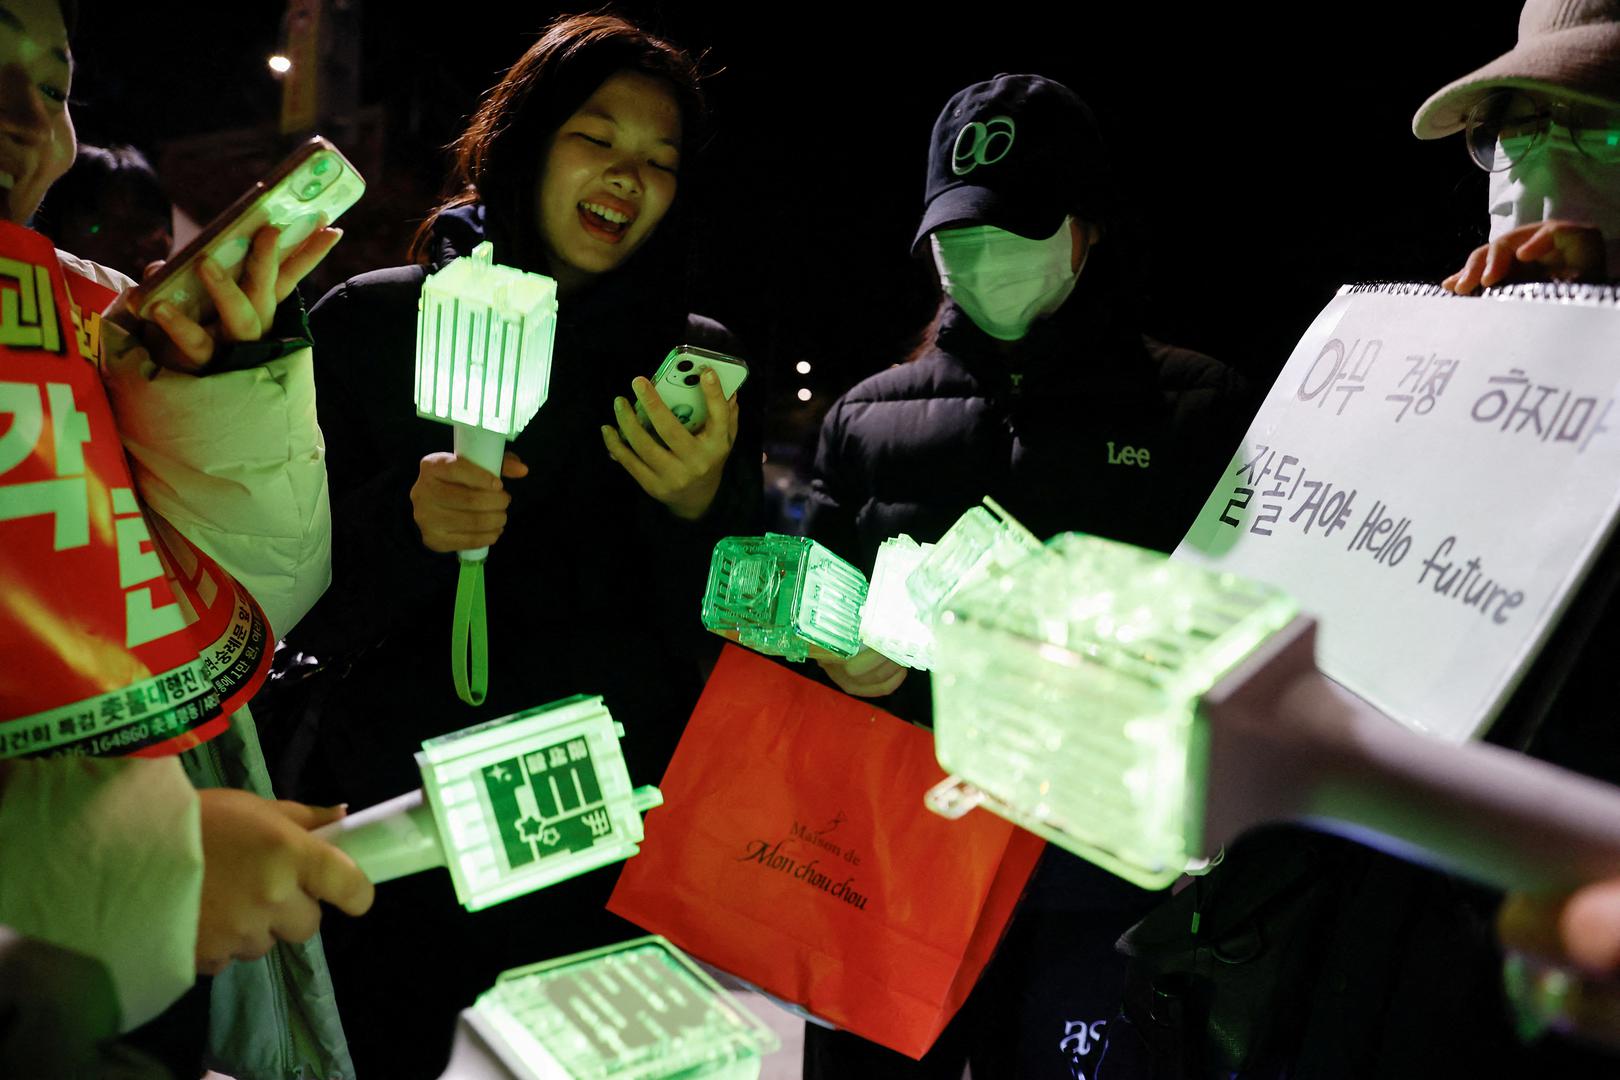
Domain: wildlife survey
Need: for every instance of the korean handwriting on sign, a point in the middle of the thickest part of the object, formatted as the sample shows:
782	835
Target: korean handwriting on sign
1425	380
1337	367
1541	410
1323	508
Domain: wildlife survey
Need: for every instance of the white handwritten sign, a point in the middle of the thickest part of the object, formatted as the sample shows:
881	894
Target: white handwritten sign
1430	476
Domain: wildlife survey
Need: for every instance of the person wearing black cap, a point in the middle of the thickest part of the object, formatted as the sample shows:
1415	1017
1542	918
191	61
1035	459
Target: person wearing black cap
1038	389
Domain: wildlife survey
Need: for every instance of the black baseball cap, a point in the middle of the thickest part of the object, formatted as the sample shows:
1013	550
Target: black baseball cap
1018	152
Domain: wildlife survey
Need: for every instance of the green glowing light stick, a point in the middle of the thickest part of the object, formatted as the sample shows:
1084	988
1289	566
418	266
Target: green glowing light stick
640	1010
982	541
784	596
483	364
510	805
890	622
1143	713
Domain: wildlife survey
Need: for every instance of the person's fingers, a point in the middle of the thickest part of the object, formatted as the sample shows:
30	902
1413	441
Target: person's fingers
890	684
260	270
626	457
866	662
212	965
150	269
1590	927
296	919
308	817
297	264
448	540
460	471
1499	262
252	945
1466	280
1540	244
1529	924
680	442
512	466
719	428
459	499
326	873
191	346
447	524
238	321
644	446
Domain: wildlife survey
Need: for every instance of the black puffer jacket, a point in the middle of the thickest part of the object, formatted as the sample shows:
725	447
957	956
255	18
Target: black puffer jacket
1083	425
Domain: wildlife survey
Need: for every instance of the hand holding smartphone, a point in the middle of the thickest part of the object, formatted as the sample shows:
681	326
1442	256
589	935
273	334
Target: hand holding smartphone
305	193
678	383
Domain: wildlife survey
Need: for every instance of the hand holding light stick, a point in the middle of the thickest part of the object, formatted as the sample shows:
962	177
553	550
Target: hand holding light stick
510	805
484	340
1143	712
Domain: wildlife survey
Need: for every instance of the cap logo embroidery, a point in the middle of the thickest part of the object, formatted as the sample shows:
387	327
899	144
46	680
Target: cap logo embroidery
981	144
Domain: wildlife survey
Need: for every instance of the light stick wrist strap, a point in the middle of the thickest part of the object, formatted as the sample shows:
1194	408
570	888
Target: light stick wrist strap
469	633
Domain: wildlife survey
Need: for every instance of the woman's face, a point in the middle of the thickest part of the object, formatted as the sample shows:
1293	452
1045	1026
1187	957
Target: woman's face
608	177
36	133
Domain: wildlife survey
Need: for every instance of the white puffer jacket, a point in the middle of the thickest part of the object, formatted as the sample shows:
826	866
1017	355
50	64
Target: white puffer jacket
236	462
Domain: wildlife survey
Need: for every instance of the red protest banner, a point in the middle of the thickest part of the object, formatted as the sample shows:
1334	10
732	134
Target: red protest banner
117	636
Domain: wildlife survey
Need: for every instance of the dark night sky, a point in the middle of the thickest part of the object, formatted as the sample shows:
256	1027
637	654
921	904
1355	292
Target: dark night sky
1268	159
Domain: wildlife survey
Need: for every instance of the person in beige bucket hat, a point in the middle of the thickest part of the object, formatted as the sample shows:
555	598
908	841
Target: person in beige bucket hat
1543	119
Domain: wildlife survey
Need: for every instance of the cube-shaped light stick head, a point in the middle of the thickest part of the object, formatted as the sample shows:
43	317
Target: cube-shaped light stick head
784	596
1067	690
483	350
890	622
639	1010
532	799
983	540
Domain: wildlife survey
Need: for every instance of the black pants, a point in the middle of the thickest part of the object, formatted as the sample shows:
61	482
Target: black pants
1039	1012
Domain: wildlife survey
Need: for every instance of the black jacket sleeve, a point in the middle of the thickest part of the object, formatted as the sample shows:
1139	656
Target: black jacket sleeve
381	572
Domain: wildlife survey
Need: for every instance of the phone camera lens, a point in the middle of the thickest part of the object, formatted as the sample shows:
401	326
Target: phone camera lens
311	189
684	365
320	166
690	380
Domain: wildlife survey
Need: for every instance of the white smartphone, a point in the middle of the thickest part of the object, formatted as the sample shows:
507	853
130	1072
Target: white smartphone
677	383
309	189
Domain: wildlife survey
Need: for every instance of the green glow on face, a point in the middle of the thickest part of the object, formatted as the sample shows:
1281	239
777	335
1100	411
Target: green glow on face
639	1010
532	799
889	620
483	344
1067	689
975	546
782	595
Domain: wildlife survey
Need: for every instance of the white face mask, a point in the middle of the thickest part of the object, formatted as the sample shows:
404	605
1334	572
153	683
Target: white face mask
1555	181
1004	281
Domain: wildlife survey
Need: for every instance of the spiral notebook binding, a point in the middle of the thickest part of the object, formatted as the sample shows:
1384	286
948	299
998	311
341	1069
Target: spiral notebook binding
1563	292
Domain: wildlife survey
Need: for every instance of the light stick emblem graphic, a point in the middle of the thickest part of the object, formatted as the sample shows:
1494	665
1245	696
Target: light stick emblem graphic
484	337
510	805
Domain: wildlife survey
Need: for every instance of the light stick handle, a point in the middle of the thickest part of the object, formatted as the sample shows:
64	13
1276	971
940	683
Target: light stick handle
484	449
1482	811
389	840
1286	743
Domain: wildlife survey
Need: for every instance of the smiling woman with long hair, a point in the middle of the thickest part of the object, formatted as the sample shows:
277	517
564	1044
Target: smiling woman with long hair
599	534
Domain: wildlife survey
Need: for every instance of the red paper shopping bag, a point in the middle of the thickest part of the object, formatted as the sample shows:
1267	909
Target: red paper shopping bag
794	851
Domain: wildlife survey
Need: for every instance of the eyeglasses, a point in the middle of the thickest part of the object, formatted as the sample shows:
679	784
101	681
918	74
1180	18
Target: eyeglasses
1505	126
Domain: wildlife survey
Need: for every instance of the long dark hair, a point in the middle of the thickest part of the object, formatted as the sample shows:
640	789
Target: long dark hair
499	156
